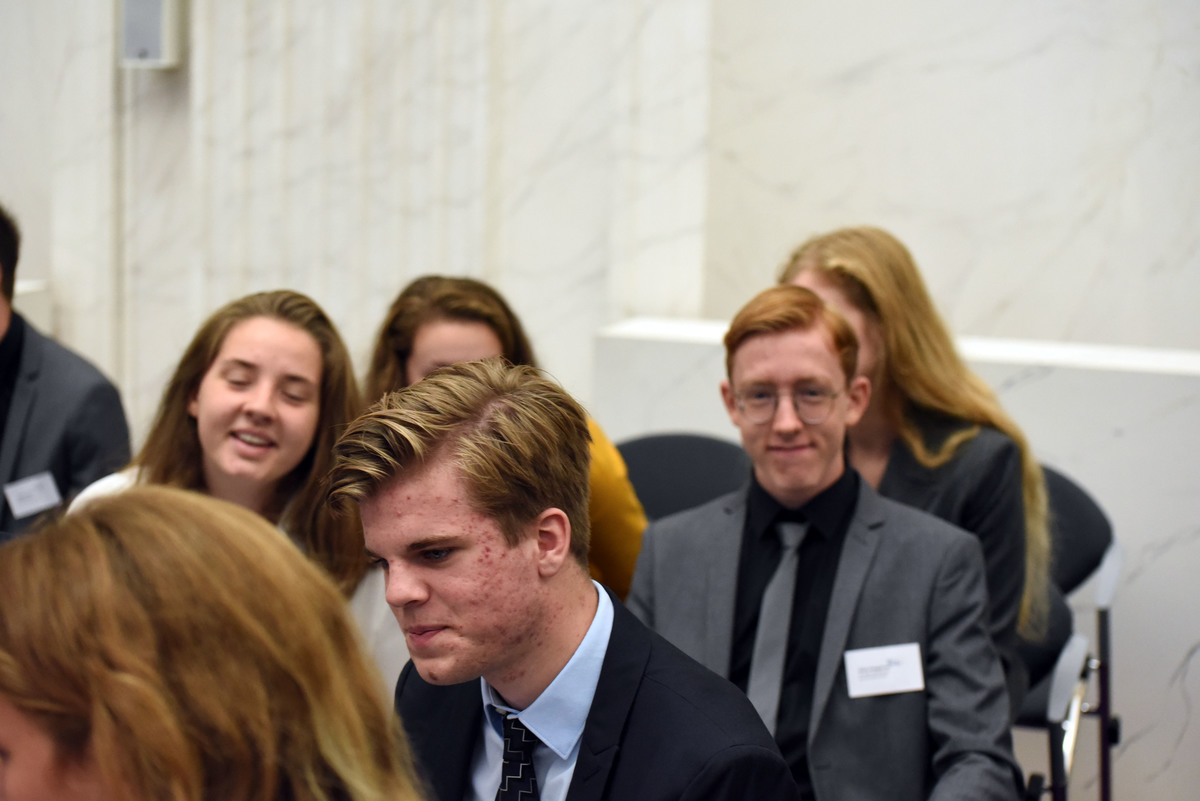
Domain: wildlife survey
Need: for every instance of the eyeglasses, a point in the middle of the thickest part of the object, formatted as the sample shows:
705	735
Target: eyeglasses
812	405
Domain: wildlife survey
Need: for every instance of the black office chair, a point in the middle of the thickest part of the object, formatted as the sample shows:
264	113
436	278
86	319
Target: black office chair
673	472
1083	547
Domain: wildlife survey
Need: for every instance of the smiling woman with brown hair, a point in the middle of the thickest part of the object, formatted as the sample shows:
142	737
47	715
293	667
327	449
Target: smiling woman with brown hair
250	416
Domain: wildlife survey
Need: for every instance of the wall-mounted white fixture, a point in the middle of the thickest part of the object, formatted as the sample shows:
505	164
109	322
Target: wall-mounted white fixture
151	33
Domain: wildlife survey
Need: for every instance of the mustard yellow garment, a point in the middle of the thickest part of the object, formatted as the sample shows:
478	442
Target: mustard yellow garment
616	516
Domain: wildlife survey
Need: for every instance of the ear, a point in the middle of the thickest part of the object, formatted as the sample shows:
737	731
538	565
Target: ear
858	394
729	400
193	405
553	541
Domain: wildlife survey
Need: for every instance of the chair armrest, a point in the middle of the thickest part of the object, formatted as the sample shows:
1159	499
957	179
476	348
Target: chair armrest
1066	677
1108	574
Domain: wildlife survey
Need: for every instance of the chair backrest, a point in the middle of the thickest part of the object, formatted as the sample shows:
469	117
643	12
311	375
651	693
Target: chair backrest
673	472
1080	531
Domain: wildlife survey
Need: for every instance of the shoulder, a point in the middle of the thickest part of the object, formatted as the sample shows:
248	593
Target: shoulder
707	713
102	488
59	363
987	443
901	525
708	515
706	739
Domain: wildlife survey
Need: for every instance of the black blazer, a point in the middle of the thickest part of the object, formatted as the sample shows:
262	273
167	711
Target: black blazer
978	490
661	727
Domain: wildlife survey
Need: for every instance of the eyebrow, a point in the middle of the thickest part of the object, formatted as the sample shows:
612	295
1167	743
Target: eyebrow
420	545
233	362
433	542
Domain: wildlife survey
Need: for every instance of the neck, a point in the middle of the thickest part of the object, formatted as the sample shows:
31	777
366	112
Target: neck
566	615
871	441
875	432
6	314
243	494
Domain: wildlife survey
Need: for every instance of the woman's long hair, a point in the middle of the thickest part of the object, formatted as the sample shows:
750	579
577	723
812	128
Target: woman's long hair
878	275
438	297
187	649
172	453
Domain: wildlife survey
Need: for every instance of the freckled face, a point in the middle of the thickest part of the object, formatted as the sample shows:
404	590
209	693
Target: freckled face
438	343
30	769
469	604
794	460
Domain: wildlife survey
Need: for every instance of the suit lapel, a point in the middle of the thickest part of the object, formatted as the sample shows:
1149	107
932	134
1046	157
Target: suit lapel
620	678
858	552
21	405
723	549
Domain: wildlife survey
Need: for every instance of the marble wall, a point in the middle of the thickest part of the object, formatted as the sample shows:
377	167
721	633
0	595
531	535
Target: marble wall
605	161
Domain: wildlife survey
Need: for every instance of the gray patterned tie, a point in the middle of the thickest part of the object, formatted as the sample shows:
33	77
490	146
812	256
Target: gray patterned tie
518	782
774	622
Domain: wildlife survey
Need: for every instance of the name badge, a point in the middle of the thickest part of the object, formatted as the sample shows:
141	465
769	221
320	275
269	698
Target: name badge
28	496
885	670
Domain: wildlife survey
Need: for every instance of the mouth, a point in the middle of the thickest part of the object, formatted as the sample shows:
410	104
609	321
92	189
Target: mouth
252	439
422	636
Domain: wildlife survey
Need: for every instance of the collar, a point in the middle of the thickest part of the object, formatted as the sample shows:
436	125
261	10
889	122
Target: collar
10	345
559	714
824	513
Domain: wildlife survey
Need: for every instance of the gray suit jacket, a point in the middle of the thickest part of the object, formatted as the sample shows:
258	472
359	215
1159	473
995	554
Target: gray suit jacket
904	577
65	418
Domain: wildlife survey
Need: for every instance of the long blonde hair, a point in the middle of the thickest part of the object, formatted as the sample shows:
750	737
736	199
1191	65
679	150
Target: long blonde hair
172	453
192	652
879	277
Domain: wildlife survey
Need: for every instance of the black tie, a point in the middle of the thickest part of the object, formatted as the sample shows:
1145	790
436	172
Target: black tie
518	782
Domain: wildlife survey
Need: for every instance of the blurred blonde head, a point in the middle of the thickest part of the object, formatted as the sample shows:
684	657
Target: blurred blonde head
193	653
920	365
172	454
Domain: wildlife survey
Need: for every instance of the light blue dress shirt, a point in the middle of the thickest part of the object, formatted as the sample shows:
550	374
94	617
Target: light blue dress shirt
557	717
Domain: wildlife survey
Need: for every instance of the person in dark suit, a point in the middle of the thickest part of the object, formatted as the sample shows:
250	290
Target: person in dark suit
64	426
872	666
472	485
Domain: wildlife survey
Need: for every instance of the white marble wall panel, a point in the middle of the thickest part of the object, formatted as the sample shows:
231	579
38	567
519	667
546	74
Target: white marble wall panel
85	220
26	117
662	118
1120	421
1037	157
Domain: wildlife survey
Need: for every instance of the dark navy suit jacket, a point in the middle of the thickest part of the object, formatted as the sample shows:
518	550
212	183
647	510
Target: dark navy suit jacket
661	727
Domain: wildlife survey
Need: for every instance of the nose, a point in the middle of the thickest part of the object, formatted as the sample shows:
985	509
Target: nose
260	401
403	588
786	421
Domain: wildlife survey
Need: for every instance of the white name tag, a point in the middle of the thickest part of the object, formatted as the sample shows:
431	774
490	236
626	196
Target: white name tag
28	496
884	670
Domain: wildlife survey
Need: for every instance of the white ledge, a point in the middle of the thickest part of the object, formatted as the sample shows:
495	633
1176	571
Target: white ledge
974	349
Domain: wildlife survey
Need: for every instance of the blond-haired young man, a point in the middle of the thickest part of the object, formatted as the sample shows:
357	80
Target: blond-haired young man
473	488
